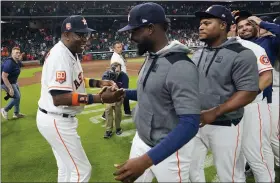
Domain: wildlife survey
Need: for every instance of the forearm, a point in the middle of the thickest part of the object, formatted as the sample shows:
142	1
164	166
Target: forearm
238	100
74	99
7	83
91	83
265	80
186	129
131	94
271	27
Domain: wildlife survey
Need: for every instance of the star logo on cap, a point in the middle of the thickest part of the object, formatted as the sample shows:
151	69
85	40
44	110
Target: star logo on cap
84	21
223	15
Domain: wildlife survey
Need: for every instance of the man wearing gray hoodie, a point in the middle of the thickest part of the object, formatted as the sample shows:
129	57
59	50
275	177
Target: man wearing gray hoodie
228	81
168	109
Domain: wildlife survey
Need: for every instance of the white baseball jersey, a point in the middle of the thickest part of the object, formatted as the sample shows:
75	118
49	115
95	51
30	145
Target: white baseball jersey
61	71
262	59
119	58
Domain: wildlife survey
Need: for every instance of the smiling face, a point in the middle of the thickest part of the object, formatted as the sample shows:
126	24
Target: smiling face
246	29
77	41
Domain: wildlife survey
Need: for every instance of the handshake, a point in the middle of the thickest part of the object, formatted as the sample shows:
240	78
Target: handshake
110	92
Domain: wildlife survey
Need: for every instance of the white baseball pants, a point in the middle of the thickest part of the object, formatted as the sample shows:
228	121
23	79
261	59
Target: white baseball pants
175	168
256	142
61	134
225	144
275	133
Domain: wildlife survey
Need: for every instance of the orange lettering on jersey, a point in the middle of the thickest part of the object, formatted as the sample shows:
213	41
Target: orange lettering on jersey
60	76
264	60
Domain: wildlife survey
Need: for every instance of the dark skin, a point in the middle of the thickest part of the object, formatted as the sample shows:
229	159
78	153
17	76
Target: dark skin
151	38
213	32
110	94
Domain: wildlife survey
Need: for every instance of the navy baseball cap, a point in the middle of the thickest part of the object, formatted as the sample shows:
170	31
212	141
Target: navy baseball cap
144	14
242	15
266	19
75	23
277	20
217	11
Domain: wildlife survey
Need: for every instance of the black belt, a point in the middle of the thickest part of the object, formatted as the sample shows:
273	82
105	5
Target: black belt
63	115
227	122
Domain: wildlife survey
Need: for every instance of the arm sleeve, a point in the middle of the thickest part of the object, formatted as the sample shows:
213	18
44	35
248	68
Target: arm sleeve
245	73
59	73
262	60
186	129
131	94
271	27
182	84
7	66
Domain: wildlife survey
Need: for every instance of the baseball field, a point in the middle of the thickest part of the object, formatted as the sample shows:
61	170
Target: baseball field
26	155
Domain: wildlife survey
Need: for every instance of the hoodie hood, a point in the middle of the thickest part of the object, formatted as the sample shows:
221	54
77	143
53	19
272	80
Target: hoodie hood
174	46
230	41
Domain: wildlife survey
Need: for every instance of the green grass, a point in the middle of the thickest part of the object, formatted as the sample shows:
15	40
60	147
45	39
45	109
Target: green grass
27	73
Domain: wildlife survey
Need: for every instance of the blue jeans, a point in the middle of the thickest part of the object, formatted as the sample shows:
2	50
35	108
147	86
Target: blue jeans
15	101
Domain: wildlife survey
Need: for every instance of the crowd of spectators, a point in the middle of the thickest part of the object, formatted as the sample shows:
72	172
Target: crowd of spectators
35	42
44	8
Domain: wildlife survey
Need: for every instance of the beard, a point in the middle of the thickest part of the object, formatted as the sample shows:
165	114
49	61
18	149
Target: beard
144	46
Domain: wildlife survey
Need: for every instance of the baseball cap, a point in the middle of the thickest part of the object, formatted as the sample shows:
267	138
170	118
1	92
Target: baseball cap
277	20
144	14
266	19
242	14
217	11
75	23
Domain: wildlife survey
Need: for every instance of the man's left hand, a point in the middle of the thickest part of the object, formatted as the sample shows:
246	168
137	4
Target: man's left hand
132	169
208	116
255	19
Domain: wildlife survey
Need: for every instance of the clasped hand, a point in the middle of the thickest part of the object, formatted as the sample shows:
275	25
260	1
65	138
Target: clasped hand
111	94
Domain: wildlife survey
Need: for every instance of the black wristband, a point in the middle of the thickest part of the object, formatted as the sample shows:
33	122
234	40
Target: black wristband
97	83
90	99
91	83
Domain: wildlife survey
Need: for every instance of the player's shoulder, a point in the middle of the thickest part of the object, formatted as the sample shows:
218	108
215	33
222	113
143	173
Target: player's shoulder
251	45
58	54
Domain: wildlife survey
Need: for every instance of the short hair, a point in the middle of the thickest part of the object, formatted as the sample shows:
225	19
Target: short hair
116	64
116	42
16	48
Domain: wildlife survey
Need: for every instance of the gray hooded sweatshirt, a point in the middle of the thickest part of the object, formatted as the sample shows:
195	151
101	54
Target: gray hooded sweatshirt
223	71
167	87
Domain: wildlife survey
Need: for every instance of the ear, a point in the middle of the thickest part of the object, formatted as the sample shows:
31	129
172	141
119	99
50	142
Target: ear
151	28
223	25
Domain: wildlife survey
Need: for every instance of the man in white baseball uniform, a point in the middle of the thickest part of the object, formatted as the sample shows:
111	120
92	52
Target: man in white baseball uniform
256	120
63	95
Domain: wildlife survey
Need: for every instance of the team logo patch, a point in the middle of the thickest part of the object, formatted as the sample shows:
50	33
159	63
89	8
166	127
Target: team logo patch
219	59
60	76
264	60
68	26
